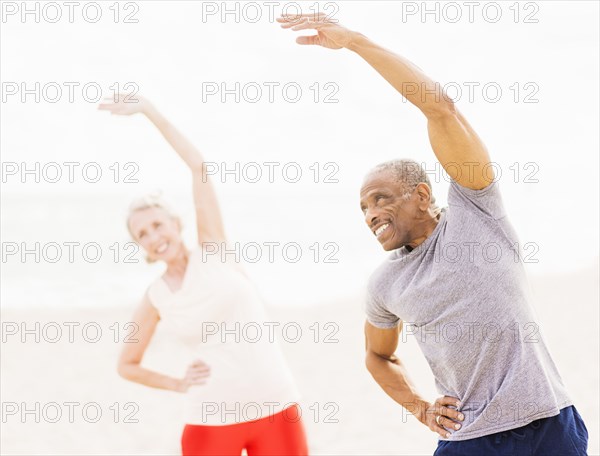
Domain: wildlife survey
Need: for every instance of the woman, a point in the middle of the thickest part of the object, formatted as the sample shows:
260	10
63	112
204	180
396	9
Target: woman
241	395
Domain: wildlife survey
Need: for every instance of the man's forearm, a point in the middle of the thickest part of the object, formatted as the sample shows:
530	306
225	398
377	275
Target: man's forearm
403	75
391	375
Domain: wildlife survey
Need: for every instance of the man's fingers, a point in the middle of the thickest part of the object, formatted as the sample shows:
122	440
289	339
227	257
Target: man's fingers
448	417
291	22
307	21
439	428
313	39
306	25
296	17
442	423
448	400
288	25
444	415
455	415
293	15
447	423
451	413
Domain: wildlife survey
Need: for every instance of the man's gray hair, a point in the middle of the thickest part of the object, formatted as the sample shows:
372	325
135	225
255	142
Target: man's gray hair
409	173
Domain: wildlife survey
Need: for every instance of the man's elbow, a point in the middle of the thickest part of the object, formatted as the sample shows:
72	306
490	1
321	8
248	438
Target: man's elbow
374	362
444	107
369	362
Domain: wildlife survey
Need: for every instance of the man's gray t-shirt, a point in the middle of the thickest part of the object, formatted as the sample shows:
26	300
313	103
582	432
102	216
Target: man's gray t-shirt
464	296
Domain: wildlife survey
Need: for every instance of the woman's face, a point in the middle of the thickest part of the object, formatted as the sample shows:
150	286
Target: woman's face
157	232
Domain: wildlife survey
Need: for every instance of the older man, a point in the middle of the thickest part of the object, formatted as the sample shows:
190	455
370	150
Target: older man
455	277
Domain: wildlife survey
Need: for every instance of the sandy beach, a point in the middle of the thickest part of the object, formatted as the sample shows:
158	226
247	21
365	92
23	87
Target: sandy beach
84	407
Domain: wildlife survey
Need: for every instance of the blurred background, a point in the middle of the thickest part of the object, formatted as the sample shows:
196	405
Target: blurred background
525	75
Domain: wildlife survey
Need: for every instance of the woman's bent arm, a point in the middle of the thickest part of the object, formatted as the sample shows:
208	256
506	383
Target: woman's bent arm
145	318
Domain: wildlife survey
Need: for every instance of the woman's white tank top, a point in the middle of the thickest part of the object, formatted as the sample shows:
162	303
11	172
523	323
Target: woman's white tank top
219	315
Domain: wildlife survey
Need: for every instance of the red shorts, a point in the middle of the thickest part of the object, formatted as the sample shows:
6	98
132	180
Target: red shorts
281	434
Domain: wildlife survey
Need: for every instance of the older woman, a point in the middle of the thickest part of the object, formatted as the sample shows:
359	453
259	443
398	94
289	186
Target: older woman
240	394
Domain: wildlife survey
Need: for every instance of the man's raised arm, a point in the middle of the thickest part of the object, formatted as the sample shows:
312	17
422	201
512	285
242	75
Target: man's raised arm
454	142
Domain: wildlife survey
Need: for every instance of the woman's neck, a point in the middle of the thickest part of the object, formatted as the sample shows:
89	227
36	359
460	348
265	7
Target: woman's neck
177	266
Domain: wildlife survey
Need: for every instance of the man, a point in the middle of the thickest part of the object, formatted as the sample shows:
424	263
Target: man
455	276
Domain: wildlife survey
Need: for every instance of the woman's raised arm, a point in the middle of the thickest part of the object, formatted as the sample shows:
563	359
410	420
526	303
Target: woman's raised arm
209	222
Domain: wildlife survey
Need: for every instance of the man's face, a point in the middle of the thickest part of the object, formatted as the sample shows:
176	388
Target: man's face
392	219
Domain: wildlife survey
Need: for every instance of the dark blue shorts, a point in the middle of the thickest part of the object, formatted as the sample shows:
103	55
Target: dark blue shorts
564	434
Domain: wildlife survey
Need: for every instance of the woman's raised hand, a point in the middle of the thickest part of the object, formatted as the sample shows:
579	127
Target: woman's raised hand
125	105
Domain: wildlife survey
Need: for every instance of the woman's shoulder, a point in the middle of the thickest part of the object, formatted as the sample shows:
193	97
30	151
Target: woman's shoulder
155	291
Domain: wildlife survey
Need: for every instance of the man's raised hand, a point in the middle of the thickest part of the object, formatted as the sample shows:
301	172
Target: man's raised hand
330	34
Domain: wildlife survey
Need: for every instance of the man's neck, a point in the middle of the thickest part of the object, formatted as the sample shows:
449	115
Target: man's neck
430	229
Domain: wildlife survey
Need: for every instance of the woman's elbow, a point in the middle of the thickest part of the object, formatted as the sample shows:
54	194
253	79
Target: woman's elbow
125	370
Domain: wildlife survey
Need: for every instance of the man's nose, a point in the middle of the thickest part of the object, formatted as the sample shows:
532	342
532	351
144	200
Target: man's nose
371	216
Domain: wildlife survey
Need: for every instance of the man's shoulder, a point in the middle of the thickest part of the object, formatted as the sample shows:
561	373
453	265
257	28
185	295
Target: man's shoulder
381	274
485	202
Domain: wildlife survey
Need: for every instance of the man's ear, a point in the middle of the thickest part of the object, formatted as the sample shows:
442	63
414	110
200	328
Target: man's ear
424	195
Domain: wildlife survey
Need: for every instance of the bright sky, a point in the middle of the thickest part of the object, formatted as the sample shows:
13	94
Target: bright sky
541	129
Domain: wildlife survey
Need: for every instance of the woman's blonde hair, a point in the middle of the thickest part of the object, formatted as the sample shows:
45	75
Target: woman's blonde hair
148	201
